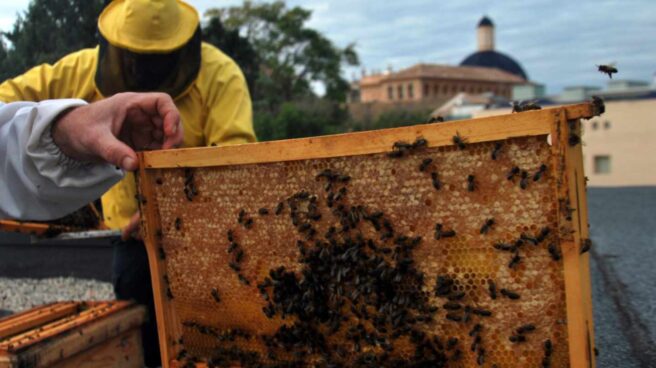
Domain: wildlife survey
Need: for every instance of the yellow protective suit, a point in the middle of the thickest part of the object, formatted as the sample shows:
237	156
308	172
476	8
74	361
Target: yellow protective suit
215	109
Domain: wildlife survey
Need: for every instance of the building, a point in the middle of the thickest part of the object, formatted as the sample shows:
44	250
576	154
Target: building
486	70
619	146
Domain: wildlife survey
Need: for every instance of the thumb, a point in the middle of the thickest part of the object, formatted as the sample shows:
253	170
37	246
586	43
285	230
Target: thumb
118	153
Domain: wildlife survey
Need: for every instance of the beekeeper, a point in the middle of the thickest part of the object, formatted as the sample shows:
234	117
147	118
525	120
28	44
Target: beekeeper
147	45
58	155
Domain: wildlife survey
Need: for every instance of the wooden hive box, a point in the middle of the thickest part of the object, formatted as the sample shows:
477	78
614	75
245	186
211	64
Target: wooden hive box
73	334
344	251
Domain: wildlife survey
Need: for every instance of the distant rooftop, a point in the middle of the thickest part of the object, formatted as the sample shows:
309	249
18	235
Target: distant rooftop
446	72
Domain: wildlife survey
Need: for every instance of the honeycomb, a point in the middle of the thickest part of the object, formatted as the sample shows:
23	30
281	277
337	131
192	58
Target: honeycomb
236	306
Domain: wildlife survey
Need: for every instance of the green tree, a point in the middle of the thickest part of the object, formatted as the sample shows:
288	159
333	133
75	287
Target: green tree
48	30
292	55
237	47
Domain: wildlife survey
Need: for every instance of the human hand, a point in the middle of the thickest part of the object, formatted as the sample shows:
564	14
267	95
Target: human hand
112	130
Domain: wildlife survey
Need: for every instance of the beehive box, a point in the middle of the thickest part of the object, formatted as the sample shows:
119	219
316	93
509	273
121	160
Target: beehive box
458	244
73	334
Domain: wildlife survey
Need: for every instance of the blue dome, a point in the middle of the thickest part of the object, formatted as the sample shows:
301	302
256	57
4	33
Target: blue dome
485	21
493	59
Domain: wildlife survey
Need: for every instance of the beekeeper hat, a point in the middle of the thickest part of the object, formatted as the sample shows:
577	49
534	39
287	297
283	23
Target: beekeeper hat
148	26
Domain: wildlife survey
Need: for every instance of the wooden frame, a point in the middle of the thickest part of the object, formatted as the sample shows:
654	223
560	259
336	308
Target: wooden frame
558	122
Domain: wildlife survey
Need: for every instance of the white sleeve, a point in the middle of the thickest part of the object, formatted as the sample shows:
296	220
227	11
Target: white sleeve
37	181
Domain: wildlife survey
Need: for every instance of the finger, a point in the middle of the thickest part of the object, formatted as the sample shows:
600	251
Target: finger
132	227
116	152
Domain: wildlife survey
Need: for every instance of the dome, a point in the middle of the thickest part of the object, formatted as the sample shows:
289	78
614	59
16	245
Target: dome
494	59
485	21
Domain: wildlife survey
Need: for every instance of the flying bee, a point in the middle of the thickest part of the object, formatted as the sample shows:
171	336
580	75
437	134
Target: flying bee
487	226
496	150
263	211
586	244
215	295
529	327
554	252
607	69
538	175
492	288
509	294
471	183
459	141
512	173
436	181
425	163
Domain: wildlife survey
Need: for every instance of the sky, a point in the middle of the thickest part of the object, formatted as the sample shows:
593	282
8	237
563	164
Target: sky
558	42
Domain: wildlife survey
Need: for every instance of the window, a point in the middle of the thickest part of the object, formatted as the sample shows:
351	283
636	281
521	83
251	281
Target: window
390	93
595	125
399	91
607	124
602	164
426	90
411	94
436	89
445	89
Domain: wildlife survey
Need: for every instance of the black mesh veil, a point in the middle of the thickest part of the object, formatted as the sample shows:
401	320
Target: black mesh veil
121	70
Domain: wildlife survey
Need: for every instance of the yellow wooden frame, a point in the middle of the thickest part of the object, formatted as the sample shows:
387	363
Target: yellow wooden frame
557	122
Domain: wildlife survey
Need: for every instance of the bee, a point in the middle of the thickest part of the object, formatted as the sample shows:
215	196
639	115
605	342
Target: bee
169	293
512	173
456	296
235	267
475	330
573	139
401	145
516	106
239	256
263	211
451	343
178	223
480	360
509	294
529	239
435	119
436	181
524	182
554	252
548	347
459	141
159	181
439	233
586	244
453	317
231	236
425	163
525	328
451	306
521	106
517	339
420	142
514	261
482	312
487	226
471	183
162	254
215	295
243	279
395	154
241	216
598	104
496	150
248	223
504	247
492	288
543	234
279	208
538	175
607	69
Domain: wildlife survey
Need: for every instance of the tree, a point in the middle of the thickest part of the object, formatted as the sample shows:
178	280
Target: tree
235	46
48	30
293	56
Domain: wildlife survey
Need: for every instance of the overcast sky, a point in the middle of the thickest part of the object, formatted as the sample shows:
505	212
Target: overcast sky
558	42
